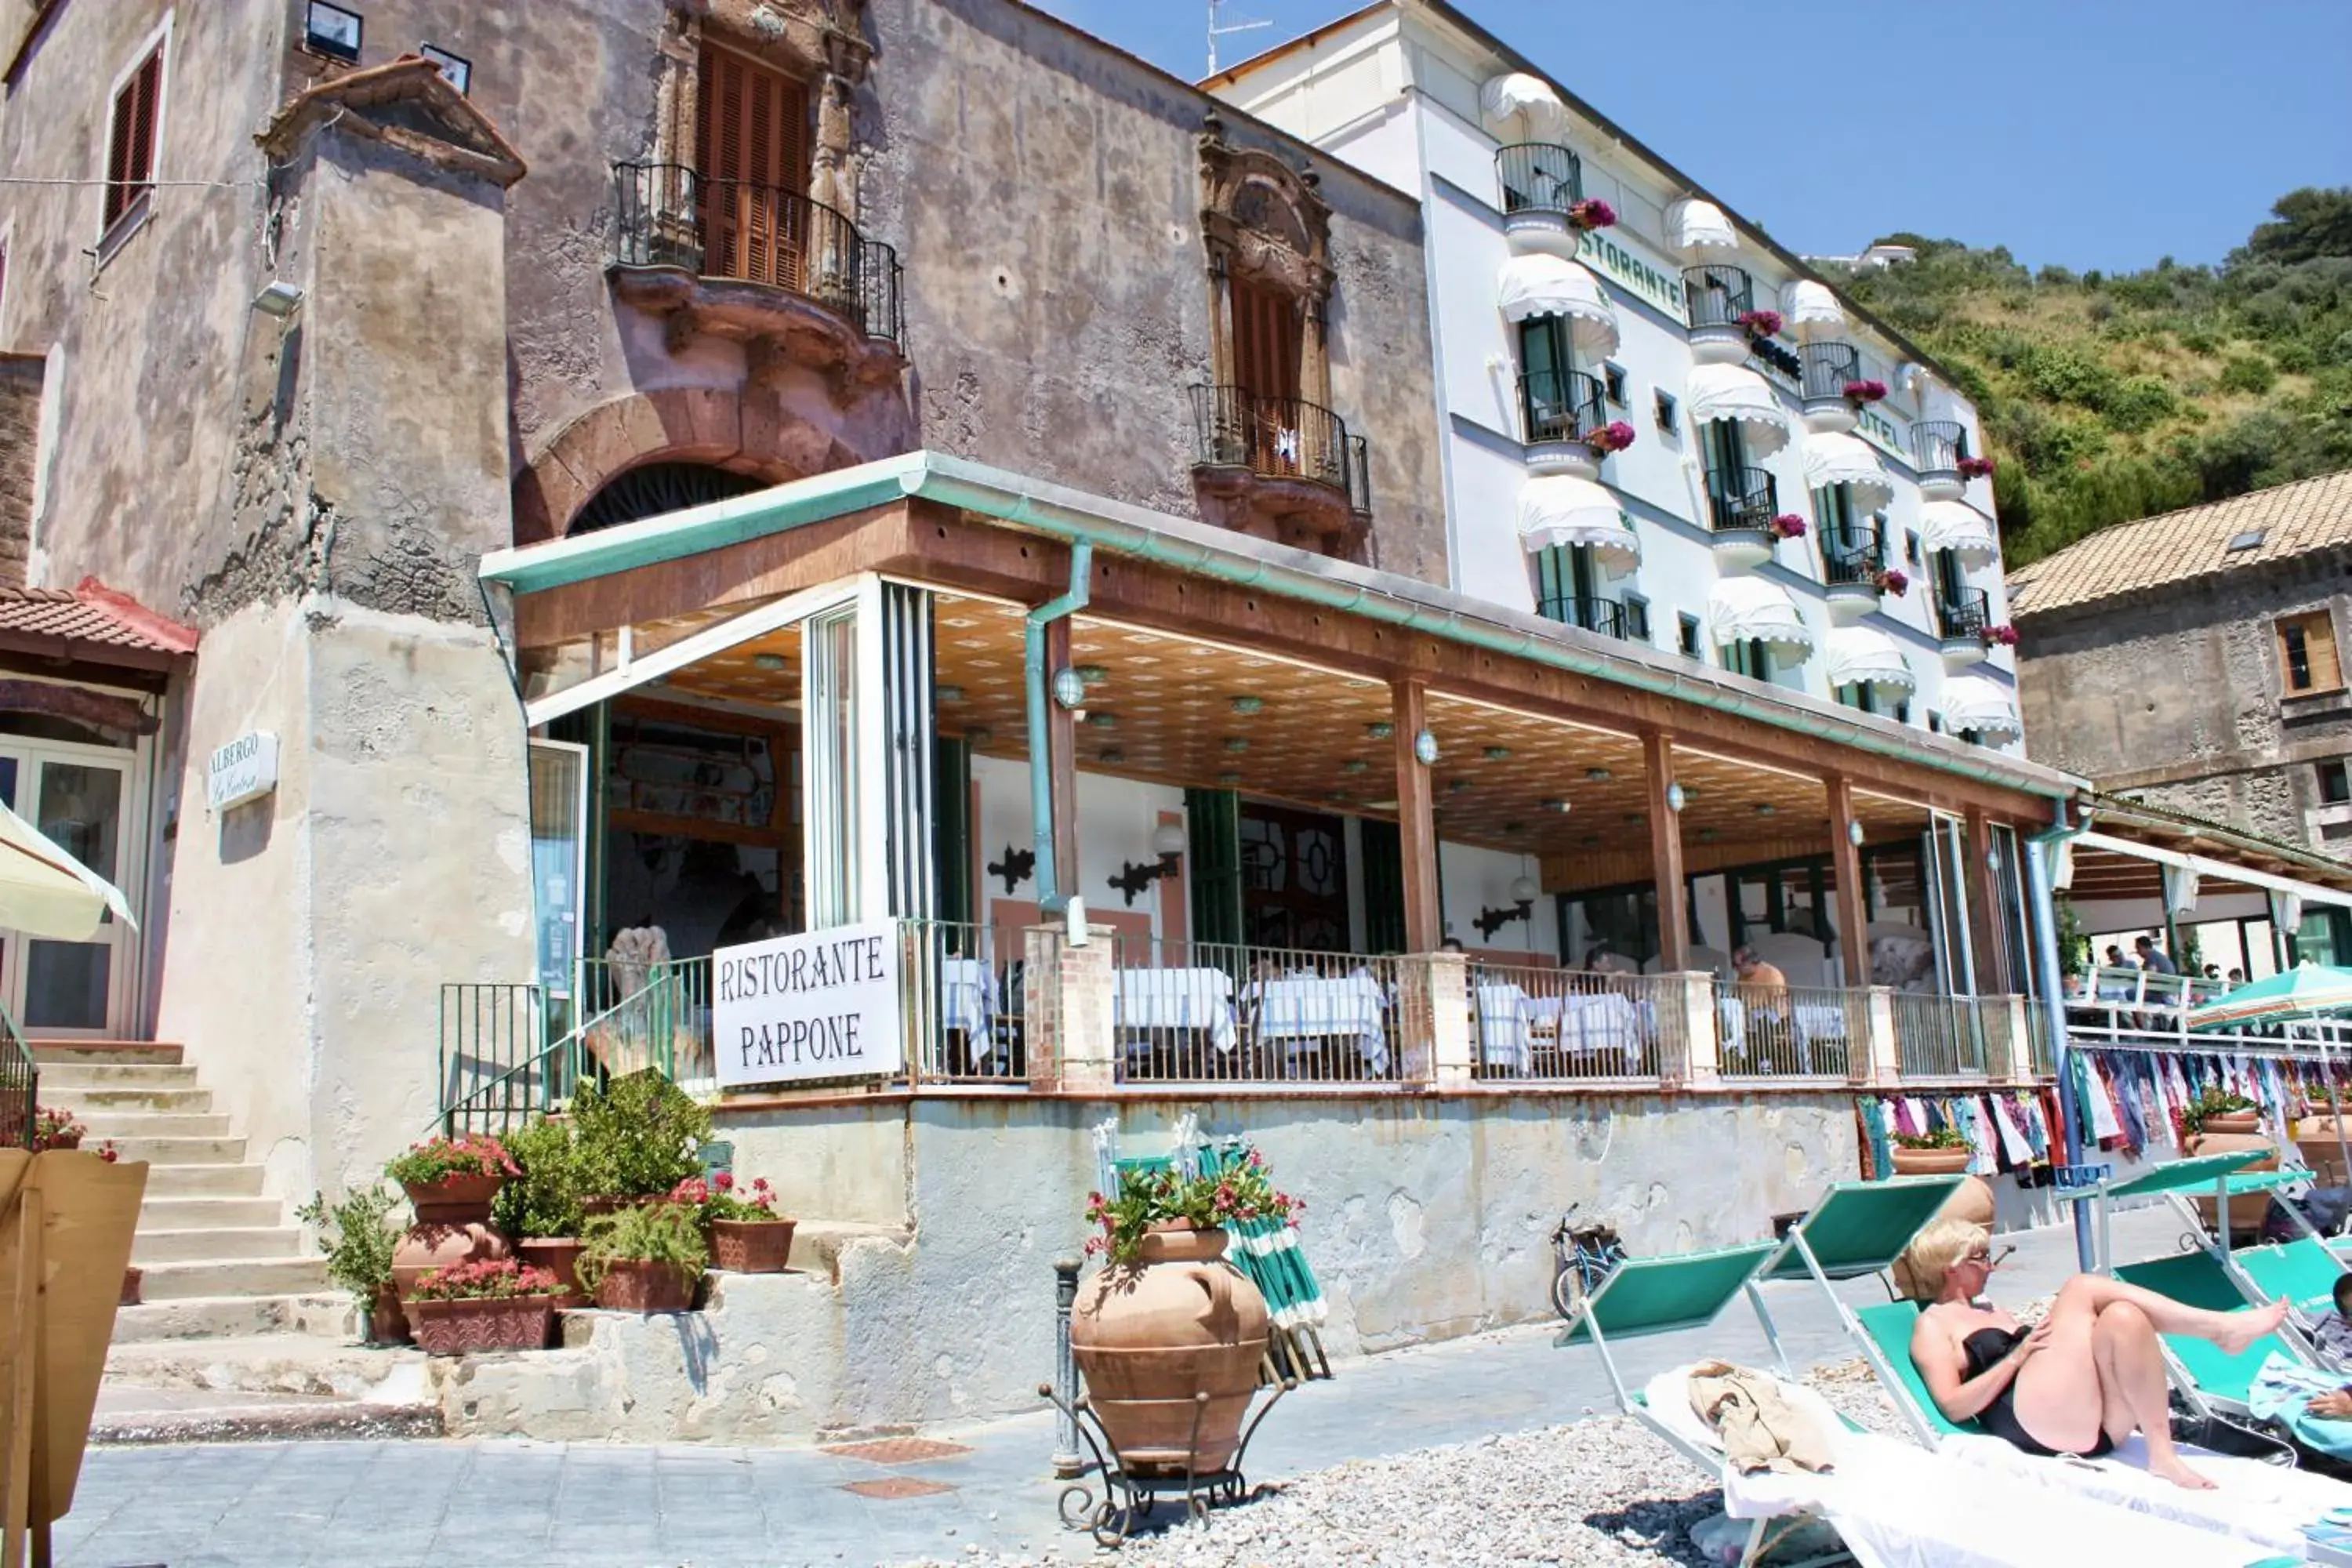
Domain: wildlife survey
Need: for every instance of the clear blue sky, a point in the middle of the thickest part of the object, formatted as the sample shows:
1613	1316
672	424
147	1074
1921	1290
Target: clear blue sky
2086	132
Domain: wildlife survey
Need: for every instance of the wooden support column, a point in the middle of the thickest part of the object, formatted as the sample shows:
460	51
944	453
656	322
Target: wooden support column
1845	863
1666	858
1416	828
1984	927
1062	755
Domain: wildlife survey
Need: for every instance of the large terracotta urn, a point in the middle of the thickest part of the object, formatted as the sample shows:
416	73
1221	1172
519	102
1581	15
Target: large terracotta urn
1931	1161
1152	1335
2247	1210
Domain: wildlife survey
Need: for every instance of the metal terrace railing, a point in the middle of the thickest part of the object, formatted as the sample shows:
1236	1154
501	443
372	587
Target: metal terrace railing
1199	1012
1792	1031
1565	1026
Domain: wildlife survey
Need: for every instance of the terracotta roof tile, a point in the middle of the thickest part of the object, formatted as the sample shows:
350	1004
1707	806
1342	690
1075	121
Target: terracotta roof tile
2298	518
92	613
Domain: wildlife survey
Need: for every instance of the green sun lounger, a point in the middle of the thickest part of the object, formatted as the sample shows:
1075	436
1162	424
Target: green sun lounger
2203	1371
2303	1271
1888	1327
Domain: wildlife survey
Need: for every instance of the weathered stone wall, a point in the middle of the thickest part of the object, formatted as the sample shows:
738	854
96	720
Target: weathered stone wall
2175	698
20	446
1427	1218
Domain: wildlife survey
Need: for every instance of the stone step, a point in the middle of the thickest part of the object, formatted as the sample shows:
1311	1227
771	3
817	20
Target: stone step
168	1180
182	1279
206	1214
217	1244
120	1099
111	1075
119	1053
328	1314
153	1124
182	1151
306	1365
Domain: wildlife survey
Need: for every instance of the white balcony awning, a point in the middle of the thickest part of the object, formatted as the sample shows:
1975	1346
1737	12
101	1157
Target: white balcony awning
1739	608
1961	529
1561	508
1806	303
1832	458
1519	94
1864	656
1532	286
1694	225
1973	702
1735	394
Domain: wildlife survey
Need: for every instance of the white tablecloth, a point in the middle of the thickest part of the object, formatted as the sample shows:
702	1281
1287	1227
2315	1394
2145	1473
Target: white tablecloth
1191	999
968	997
1505	1015
1313	1008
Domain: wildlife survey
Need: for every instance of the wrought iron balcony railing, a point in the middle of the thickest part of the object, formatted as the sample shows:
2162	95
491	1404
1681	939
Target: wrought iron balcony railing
1854	554
1938	445
1828	366
1740	498
1281	438
1561	406
1963	614
1539	177
667	215
1718	295
1610	617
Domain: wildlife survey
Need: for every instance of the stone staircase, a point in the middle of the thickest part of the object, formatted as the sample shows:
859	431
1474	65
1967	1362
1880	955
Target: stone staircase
221	1258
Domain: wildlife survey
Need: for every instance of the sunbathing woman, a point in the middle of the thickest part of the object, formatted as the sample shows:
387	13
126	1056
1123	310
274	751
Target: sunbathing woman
2079	1381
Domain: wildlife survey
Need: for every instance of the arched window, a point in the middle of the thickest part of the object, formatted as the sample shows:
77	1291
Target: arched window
659	488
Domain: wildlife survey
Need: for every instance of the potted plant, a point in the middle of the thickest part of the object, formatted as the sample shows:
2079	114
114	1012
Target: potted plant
1788	525
747	1234
541	1207
1169	1320
55	1128
1976	467
361	1239
1942	1152
648	1258
1762	324
1614	437
1865	391
2218	1110
1892	581
498	1304
452	1181
1592	213
2000	636
635	1139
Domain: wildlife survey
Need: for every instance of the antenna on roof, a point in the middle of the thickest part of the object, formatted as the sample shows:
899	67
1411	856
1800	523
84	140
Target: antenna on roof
1219	28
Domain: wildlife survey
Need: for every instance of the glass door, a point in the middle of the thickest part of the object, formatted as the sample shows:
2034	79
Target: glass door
80	797
559	858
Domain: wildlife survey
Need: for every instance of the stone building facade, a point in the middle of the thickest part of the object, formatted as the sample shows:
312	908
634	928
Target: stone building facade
2194	660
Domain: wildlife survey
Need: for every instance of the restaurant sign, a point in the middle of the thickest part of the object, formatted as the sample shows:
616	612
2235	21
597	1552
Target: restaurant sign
822	1005
245	769
1655	281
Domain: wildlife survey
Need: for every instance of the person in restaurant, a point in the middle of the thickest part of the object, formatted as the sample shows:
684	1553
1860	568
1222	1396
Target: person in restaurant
2079	1381
1764	993
2152	957
2114	956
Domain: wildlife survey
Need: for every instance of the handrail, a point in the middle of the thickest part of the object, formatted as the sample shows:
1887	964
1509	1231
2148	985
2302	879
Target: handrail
1540	177
482	1096
20	1088
1828	366
1592	612
1741	498
1938	445
1717	294
1280	437
1963	615
1562	406
1854	554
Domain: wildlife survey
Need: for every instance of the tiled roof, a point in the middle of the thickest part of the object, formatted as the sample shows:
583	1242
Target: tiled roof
92	613
2293	519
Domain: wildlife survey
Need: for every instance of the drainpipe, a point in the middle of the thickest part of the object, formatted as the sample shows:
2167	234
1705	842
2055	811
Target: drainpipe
1032	666
2039	848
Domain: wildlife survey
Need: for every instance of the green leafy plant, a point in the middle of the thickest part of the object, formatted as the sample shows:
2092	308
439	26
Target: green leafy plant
1941	1137
437	1158
2211	1101
359	1237
651	1233
489	1280
636	1136
544	1199
1204	1201
55	1128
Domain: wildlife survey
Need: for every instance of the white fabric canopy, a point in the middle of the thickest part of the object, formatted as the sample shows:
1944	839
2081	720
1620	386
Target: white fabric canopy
1833	458
1810	304
1532	286
1864	656
1961	529
1738	395
1738	608
1519	94
46	892
1694	225
1561	508
1973	702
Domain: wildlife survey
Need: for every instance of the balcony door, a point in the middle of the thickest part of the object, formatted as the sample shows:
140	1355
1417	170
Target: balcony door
1293	879
1267	344
84	798
751	160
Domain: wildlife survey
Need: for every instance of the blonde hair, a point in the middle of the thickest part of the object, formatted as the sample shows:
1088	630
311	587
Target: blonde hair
1934	1250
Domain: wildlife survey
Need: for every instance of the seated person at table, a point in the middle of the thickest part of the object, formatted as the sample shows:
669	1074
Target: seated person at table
2079	1381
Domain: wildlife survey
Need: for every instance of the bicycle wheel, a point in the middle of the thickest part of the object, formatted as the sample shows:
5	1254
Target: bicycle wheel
1567	1289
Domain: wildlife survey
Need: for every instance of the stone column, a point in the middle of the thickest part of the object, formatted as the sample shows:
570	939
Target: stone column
1449	1046
1068	1001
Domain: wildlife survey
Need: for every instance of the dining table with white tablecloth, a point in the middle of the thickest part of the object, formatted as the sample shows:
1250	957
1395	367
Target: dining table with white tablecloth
1196	1000
1313	1007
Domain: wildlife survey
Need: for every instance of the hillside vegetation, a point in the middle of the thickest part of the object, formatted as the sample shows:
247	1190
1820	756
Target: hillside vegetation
2111	396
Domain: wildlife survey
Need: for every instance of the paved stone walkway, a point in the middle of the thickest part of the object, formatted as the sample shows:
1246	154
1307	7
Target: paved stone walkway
358	1504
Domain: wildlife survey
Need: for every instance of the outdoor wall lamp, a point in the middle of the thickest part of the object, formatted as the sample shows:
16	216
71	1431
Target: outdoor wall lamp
1069	689
1676	795
1853	833
277	297
1425	749
1134	876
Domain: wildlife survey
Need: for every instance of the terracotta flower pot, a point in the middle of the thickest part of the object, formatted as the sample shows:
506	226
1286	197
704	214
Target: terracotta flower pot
1151	1335
387	1321
131	1278
560	1256
750	1246
453	1328
454	1200
63	1141
2232	1122
632	1286
1930	1161
426	1248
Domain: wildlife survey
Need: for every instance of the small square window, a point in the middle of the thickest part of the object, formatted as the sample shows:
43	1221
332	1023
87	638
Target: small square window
1689	636
2335	785
2307	649
457	69
1935	722
1613	377
1637	618
1668	412
331	31
1901	710
1911	549
2250	540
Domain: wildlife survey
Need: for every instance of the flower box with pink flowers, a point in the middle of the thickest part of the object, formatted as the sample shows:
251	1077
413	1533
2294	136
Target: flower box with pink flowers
747	1234
1614	437
1865	391
1788	525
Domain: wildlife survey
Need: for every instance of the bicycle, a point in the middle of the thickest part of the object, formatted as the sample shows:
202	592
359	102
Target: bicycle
1586	1253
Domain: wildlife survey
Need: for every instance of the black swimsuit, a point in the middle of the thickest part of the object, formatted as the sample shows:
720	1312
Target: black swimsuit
1987	1346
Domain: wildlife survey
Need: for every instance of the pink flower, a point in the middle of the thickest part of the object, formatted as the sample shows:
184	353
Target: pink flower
725	1181
1865	391
1761	323
1976	467
1614	437
2002	636
1893	581
1592	213
1789	525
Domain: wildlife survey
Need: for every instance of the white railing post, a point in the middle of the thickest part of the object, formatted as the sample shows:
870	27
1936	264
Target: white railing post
1885	1060
1701	1067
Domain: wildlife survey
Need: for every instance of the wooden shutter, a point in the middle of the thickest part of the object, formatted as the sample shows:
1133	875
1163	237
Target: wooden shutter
751	155
131	138
1214	872
1266	341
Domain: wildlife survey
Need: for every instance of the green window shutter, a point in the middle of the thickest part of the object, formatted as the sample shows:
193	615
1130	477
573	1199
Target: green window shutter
1214	825
952	831
1383	852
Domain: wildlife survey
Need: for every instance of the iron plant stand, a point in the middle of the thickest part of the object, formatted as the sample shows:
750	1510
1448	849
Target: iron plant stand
1129	1494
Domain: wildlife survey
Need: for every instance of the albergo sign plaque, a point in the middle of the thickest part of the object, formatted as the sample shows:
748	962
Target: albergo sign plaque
823	1005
